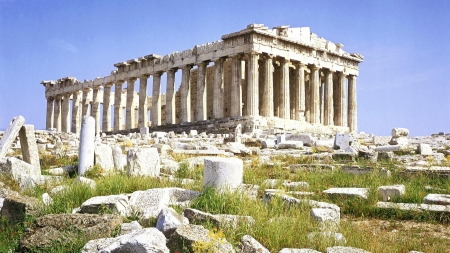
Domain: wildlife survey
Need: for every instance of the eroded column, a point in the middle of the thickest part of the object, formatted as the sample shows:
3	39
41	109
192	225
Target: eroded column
314	95
170	97
352	104
252	85
65	114
57	117
218	89
328	103
76	109
300	84
130	122
143	88
201	92
118	112
106	121
284	91
341	106
156	99
236	94
185	94
50	113
96	108
267	93
86	102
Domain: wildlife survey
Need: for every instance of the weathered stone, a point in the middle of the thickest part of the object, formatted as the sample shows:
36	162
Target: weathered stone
343	141
425	149
126	228
219	220
223	173
46	199
289	250
29	148
86	181
87	145
437	199
251	245
388	192
342	249
290	145
326	215
399	132
310	167
16	207
147	240
356	170
114	203
336	238
307	139
268	143
120	160
64	229
348	192
27	181
16	168
10	135
103	156
169	220
143	162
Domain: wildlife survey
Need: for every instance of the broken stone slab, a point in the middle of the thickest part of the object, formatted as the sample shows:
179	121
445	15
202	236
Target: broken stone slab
16	167
249	189
399	132
120	159
87	145
169	220
126	228
388	192
103	156
144	131
307	139
62	170
223	173
237	148
348	192
148	204
31	181
291	250
199	152
310	167
251	245
64	229
402	141
187	235
147	240
30	153
143	162
389	148
290	145
437	199
432	170
115	203
356	170
336	238
15	207
10	134
342	141
219	220
86	181
268	195
325	215
342	249
414	207
268	143
425	149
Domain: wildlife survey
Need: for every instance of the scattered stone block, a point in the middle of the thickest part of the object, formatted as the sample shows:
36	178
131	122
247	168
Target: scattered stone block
251	245
437	199
87	181
307	139
290	145
10	135
103	157
126	228
46	199
290	250
326	215
268	143
223	173
342	249
348	192
219	220
356	170
169	220
115	203
17	167
399	132
30	153
425	149
87	145
310	167
15	207
144	131
388	192
343	141
143	162
120	160
336	238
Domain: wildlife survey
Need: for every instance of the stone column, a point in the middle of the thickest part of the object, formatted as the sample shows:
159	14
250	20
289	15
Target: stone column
65	115
236	95
352	104
118	112
328	103
76	108
314	95
106	121
307	99
156	99
143	107
170	97
218	89
341	105
185	94
50	113
57	117
253	85
321	97
201	92
86	102
96	108
284	91
130	121
267	93
300	88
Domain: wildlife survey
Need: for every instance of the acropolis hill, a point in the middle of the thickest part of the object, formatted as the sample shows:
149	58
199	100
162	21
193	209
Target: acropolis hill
282	78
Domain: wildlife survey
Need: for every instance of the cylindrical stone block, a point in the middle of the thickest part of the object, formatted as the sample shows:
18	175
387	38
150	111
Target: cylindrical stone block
223	173
86	150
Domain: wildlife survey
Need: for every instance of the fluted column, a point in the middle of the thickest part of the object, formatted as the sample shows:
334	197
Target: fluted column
86	102
328	103
170	97
76	109
284	91
65	114
218	89
118	111
352	104
143	88
185	94
96	108
106	121
156	99
130	121
201	92
314	95
267	93
50	113
253	85
300	88
57	117
341	100
236	93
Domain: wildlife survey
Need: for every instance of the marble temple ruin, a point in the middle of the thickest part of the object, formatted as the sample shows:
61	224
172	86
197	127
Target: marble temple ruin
281	78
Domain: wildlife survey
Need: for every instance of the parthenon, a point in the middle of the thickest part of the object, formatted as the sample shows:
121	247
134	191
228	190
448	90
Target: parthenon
287	78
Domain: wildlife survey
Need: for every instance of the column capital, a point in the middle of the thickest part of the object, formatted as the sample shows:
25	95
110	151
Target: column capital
203	63
59	96
298	64
172	70
253	53
67	94
187	67
158	73
313	67
144	76
131	79
119	82
108	85
237	56
341	74
87	89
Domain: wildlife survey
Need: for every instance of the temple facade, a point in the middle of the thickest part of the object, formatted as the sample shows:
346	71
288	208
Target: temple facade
287	78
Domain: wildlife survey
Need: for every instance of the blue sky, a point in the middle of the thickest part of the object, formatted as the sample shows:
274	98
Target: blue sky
404	80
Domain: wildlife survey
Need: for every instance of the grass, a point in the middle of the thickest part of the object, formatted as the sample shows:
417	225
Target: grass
277	224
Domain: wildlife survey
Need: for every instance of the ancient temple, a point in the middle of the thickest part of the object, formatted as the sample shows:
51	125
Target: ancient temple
283	78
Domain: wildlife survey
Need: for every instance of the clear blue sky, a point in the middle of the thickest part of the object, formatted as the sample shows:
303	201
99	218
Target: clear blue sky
404	80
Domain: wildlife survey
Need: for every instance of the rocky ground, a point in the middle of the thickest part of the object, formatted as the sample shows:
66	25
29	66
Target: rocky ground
162	219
